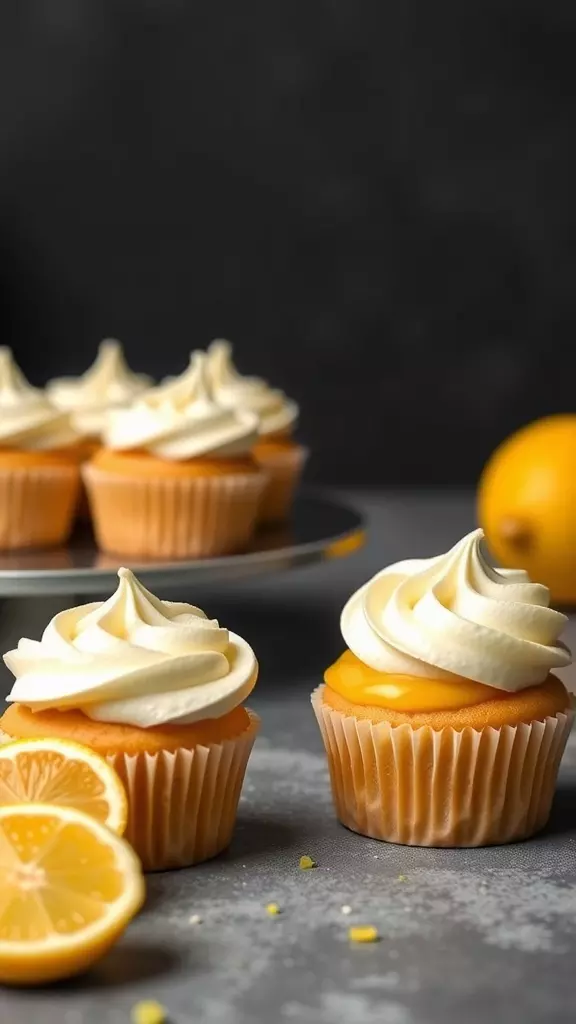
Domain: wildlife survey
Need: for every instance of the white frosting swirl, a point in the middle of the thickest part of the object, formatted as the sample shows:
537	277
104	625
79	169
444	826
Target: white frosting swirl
454	615
276	413
183	422
27	419
135	660
107	384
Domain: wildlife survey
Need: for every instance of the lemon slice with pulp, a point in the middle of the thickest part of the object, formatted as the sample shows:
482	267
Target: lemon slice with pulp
68	888
60	772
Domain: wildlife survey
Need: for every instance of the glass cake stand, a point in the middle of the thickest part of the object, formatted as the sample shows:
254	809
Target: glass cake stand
35	585
320	528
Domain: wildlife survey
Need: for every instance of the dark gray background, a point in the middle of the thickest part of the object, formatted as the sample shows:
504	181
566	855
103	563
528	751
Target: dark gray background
375	201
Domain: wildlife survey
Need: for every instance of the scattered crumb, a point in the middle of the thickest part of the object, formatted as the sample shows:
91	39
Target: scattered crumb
148	1012
375	856
402	878
273	909
364	933
346	909
306	862
195	919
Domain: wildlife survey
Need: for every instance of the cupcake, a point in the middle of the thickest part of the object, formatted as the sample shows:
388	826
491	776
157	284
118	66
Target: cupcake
156	688
107	385
176	478
40	453
442	722
276	451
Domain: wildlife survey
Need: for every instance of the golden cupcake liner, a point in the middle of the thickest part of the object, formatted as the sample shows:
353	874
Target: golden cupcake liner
284	470
426	787
191	517
37	505
182	805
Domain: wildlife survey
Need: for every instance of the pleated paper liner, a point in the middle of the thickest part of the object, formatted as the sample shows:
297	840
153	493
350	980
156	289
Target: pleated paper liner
192	517
284	470
426	787
183	805
37	505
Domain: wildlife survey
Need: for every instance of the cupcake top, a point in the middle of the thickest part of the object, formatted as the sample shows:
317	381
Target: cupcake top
134	660
27	419
454	616
277	414
183	422
107	384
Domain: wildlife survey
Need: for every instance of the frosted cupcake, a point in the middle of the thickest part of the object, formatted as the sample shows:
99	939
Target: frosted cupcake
40	453
442	721
156	688
176	478
276	451
107	385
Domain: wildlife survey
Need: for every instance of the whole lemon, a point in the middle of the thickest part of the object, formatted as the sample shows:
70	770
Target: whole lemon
527	503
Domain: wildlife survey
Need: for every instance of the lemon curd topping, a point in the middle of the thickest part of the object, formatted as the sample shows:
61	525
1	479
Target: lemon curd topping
360	684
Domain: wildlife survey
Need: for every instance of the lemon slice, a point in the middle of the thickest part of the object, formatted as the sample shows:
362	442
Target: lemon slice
68	888
55	771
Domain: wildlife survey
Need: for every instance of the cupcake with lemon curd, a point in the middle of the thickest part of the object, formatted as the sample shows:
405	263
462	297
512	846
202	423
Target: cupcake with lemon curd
40	452
158	689
176	478
442	721
276	451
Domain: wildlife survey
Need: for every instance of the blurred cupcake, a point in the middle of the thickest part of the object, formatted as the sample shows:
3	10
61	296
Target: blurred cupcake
442	723
156	688
40	452
107	385
177	478
276	451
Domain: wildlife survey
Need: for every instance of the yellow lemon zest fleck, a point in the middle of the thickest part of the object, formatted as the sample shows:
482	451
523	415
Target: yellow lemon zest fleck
273	909
148	1012
364	933
306	862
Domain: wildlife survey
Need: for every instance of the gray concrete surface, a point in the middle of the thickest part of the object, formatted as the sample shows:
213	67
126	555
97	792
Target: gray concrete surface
466	936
